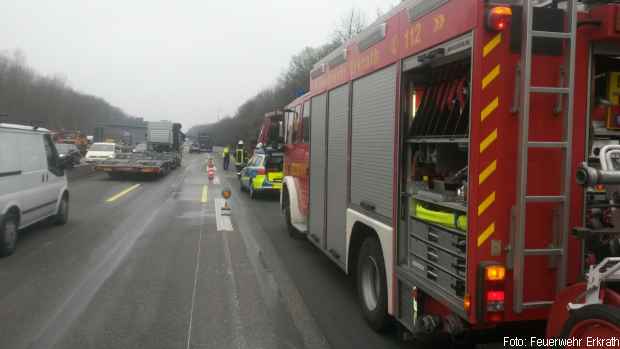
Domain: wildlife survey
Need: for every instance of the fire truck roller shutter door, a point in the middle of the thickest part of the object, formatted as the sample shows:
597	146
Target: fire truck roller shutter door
372	141
338	122
318	145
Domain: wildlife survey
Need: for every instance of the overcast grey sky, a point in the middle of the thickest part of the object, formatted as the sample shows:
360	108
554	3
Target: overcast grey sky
184	60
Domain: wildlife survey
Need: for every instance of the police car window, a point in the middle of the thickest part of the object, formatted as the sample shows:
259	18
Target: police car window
275	163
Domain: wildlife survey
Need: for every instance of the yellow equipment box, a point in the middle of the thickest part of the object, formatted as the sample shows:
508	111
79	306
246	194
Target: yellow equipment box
613	95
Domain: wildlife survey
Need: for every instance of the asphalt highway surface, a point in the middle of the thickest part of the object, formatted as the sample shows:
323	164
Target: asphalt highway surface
155	264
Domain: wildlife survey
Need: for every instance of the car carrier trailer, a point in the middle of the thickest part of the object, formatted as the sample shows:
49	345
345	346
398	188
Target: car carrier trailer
163	154
434	159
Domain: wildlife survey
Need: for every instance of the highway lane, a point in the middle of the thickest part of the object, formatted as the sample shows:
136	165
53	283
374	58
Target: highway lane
149	269
328	292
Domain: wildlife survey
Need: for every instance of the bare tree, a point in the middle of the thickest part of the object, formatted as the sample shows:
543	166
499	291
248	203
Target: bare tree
350	25
27	96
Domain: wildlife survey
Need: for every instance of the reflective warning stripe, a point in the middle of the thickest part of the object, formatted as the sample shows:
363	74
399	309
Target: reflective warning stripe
488	140
486	203
486	234
487	172
490	77
489	109
491	45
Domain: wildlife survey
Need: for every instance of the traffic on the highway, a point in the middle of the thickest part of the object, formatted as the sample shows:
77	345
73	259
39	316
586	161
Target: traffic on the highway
444	176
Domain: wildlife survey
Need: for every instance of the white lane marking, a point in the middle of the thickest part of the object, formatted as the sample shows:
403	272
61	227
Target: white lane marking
216	180
196	271
256	239
239	341
222	222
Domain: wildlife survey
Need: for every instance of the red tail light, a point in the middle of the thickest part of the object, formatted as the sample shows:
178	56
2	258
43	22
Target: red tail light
491	294
260	171
495	296
498	18
618	19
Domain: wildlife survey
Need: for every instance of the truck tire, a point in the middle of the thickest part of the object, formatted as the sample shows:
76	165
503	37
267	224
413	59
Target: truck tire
372	284
62	215
596	320
8	235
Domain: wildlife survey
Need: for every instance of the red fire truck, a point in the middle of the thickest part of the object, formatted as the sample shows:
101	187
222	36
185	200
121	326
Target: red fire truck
434	159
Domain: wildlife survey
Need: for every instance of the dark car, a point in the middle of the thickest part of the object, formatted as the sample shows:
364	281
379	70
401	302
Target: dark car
69	151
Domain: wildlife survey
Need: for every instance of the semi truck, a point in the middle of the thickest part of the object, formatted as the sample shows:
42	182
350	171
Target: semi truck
163	153
434	159
205	142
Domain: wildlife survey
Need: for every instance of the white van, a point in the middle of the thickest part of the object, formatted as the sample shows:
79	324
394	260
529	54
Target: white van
33	185
101	151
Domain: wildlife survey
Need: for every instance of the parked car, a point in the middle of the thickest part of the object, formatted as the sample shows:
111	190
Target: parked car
70	152
194	148
263	173
33	185
102	151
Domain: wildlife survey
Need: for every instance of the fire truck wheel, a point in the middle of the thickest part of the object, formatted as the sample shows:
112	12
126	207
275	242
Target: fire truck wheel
595	321
292	231
372	284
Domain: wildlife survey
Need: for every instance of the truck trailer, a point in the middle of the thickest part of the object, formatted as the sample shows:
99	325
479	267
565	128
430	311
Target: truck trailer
163	153
205	142
434	159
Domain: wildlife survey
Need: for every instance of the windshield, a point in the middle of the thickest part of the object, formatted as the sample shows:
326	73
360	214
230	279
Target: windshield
102	147
274	163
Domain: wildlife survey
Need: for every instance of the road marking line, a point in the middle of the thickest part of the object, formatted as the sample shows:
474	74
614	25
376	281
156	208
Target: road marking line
205	194
222	222
123	193
216	180
238	339
195	288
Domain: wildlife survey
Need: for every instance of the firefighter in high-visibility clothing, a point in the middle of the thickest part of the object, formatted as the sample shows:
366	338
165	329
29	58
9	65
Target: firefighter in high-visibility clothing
240	156
226	157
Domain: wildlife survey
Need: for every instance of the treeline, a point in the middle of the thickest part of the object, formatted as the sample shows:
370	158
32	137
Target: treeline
27	97
245	123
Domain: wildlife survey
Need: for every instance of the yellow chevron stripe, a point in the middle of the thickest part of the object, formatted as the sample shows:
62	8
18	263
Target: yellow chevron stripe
489	109
494	73
487	172
488	140
486	203
491	45
486	234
